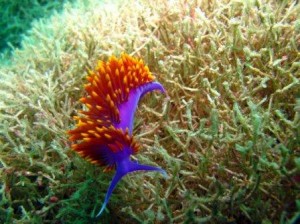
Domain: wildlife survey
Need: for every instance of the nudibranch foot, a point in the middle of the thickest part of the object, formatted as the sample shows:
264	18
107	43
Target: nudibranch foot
123	168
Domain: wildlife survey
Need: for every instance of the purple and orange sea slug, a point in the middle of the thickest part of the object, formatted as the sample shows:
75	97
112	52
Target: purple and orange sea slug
103	133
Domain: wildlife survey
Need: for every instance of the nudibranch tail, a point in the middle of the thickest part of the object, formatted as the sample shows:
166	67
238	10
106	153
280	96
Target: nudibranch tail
123	168
103	133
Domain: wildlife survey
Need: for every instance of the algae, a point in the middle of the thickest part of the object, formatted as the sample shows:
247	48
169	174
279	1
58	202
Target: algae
228	135
17	16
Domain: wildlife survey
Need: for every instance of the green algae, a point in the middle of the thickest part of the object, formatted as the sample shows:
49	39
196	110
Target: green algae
228	135
17	17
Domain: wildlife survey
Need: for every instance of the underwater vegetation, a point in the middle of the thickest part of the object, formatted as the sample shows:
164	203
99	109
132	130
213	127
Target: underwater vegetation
228	135
17	16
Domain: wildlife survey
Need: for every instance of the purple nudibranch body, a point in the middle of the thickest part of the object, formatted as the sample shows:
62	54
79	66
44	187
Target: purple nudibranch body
103	134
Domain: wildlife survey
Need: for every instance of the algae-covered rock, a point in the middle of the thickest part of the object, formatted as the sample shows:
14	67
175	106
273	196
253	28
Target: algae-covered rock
227	135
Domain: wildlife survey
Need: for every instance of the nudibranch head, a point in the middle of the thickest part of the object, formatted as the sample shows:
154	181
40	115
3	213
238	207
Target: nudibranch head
103	133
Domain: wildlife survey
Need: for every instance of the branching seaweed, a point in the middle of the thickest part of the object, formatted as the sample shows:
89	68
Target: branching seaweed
228	135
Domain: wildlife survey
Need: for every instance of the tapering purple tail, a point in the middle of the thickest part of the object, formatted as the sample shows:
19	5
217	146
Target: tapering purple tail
123	168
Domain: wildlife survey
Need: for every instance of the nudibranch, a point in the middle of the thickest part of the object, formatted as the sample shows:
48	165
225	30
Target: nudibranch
103	133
